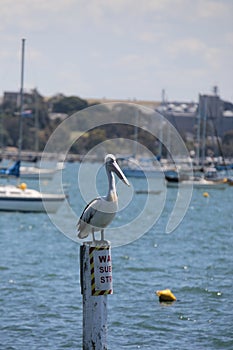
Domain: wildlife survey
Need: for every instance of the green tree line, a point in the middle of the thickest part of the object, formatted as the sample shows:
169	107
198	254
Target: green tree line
42	109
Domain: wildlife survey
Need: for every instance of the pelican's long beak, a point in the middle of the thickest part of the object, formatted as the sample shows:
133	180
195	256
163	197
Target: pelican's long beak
117	170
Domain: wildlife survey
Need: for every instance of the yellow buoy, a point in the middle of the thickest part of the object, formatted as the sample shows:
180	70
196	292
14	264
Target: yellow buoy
206	194
165	295
23	186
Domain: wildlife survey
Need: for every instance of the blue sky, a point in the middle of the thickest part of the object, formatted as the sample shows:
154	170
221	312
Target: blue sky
119	48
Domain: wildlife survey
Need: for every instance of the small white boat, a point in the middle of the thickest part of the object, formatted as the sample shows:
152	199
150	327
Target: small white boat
34	173
20	198
146	168
200	182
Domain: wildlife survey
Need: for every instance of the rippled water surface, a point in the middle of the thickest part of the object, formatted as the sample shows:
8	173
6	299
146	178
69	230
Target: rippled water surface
40	300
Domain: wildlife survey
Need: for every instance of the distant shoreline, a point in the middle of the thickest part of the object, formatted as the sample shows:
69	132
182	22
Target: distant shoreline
31	156
145	103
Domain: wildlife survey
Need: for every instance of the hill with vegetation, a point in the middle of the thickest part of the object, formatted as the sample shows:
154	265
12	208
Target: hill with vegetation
45	116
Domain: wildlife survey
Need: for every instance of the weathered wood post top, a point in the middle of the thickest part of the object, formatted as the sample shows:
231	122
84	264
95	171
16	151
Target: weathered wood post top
96	284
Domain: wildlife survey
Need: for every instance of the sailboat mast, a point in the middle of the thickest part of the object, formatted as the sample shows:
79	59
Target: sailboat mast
21	100
135	145
36	96
198	134
204	132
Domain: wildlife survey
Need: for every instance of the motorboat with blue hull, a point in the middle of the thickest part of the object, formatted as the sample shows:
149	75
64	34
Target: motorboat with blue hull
29	172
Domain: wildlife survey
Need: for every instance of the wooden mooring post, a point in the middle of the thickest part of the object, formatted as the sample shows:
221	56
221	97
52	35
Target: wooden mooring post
96	284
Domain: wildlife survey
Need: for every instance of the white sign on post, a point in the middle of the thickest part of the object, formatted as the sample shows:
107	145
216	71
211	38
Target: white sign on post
101	270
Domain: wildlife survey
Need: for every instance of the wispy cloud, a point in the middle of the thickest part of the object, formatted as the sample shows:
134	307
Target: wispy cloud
97	43
228	37
192	45
213	9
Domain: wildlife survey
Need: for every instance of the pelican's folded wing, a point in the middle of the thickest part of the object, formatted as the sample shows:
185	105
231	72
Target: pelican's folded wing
84	223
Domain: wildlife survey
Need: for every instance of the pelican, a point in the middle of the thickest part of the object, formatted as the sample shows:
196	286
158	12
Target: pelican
100	212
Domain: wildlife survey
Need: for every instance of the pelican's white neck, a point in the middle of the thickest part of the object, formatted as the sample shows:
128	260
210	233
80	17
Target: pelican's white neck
111	196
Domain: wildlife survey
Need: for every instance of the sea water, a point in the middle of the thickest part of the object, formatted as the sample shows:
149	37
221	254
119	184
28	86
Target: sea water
40	299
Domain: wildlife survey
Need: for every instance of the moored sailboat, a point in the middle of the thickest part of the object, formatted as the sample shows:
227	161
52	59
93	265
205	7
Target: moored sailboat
19	197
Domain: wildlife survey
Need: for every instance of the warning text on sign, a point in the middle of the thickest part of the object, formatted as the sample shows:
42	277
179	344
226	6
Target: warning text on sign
103	270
